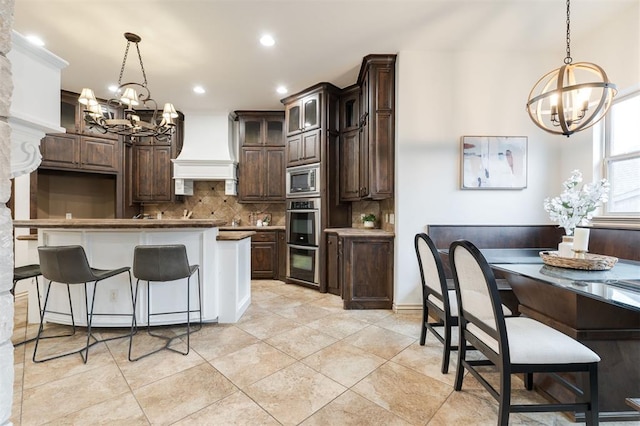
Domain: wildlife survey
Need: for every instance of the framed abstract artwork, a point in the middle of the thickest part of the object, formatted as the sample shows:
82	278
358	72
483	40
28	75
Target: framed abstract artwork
494	162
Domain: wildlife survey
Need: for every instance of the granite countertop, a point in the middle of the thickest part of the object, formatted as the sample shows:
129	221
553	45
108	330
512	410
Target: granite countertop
118	223
360	232
253	228
234	235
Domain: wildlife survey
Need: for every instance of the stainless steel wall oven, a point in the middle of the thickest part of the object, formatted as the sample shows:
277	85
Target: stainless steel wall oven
303	240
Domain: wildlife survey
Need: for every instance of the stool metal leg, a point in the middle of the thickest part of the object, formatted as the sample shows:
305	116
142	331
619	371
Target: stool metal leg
41	326
89	312
39	308
168	340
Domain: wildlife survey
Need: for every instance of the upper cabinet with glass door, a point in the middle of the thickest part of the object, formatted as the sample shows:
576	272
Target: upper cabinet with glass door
303	114
72	115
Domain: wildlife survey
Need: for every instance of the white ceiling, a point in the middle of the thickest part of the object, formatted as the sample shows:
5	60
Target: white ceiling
214	43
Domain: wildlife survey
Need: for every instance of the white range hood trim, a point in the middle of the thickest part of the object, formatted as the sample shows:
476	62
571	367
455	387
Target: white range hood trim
190	170
204	169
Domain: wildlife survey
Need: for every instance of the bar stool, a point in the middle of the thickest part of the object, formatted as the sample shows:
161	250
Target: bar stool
162	263
68	265
22	273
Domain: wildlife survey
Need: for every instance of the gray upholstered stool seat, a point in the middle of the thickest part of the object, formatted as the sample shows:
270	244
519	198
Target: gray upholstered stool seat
68	265
162	263
23	273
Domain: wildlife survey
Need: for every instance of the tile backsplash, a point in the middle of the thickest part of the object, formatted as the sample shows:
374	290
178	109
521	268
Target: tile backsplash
382	209
210	202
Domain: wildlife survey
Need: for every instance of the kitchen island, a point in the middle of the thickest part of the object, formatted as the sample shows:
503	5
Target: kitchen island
109	243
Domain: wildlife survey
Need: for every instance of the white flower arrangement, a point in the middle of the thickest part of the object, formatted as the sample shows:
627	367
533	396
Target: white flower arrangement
576	206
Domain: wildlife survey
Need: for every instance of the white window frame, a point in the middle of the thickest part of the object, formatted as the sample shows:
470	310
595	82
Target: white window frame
631	219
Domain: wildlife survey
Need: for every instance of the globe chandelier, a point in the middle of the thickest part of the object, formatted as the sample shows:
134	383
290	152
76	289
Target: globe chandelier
128	96
571	98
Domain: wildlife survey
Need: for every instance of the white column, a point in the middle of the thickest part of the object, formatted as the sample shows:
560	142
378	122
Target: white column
22	124
6	235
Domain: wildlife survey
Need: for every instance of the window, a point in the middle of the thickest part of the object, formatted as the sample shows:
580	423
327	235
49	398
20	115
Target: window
622	155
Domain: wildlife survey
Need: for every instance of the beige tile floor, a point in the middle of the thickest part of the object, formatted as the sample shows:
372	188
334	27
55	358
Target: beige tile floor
295	357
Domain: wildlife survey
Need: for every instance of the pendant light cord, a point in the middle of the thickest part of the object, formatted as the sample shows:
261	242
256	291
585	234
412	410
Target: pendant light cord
568	59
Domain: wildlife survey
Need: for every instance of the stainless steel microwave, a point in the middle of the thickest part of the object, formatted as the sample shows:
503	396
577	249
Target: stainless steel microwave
303	181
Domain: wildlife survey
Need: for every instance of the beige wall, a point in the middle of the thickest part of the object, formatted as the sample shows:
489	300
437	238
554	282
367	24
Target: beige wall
84	195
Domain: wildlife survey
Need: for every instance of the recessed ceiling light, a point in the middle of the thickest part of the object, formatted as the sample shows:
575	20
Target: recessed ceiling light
282	90
34	39
113	88
267	40
199	90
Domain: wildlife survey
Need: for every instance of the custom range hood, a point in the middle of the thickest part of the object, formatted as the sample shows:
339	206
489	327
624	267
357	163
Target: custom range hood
209	152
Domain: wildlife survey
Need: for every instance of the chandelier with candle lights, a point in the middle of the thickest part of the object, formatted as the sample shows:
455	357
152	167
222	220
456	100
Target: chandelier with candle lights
571	98
161	125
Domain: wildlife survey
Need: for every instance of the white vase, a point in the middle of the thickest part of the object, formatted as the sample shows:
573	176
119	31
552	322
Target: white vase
565	248
368	224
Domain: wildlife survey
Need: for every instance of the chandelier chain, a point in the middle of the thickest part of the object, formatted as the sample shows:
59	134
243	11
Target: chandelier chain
124	61
568	59
144	74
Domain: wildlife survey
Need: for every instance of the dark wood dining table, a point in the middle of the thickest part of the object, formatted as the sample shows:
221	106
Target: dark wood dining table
601	309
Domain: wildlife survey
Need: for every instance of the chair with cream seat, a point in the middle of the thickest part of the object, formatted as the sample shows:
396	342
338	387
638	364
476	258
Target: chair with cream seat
514	345
438	298
163	263
68	265
438	301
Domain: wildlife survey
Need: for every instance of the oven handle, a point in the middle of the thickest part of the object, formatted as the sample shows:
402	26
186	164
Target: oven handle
303	211
295	246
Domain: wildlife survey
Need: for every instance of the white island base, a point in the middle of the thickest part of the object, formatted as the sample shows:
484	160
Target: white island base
225	275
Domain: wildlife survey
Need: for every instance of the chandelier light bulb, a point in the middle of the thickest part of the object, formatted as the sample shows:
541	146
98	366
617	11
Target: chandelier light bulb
129	97
169	112
87	98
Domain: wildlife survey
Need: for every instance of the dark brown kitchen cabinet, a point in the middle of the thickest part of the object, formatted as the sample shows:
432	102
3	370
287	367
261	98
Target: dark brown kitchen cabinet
281	236
360	268
311	118
367	167
261	128
350	161
262	175
152	171
261	170
334	285
264	255
303	148
80	153
303	114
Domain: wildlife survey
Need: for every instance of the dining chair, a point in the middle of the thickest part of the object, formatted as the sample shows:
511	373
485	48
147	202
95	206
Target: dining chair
438	302
438	298
157	264
68	265
514	345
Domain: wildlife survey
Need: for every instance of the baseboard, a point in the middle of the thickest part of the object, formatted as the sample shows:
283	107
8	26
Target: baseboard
408	308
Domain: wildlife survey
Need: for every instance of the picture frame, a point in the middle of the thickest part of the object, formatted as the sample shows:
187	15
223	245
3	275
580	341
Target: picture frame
494	162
